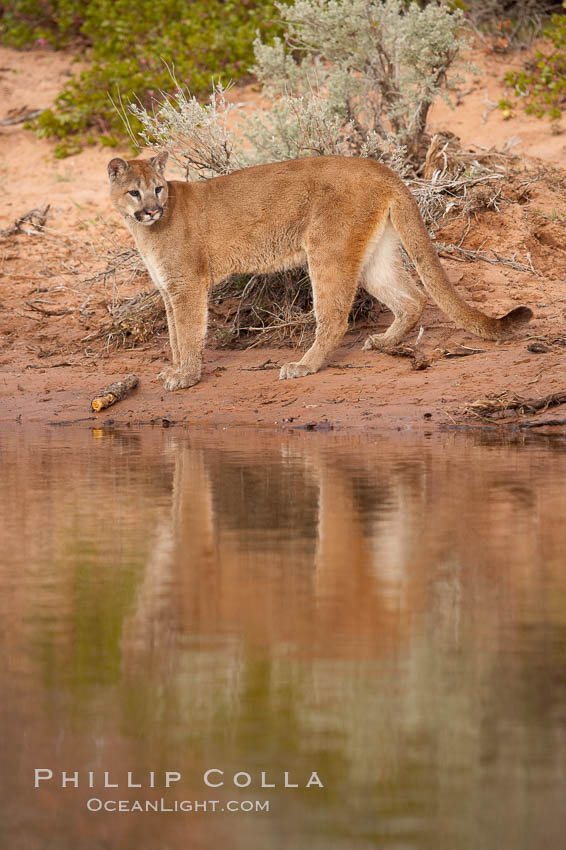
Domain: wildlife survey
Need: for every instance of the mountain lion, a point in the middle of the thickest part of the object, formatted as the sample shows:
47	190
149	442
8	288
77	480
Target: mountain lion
341	216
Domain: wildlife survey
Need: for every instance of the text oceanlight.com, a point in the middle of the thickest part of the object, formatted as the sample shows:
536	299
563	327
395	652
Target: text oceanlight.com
97	805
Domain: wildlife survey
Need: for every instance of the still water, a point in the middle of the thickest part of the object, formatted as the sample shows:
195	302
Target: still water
386	613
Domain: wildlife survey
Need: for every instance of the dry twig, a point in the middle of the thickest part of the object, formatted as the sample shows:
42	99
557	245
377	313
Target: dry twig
20	115
34	219
456	252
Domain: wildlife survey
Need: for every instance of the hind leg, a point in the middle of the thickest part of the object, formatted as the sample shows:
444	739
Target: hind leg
385	278
407	312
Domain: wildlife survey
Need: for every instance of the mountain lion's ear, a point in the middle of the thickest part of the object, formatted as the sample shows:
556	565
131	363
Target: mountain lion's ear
159	162
117	168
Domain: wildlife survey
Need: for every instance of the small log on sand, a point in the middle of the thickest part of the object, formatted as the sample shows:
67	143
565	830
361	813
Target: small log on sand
115	392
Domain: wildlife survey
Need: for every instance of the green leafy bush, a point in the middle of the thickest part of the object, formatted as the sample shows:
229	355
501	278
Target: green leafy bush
542	84
25	21
132	45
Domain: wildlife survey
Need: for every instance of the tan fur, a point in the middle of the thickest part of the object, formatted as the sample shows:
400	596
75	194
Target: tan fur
342	216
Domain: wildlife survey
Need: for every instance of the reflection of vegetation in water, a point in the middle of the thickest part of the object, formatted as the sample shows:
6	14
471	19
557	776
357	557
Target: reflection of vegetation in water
88	552
243	710
419	748
266	720
100	596
219	700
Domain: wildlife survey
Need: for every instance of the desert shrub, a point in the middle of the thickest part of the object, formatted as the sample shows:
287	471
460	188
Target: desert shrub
541	85
353	77
374	68
131	46
507	25
196	135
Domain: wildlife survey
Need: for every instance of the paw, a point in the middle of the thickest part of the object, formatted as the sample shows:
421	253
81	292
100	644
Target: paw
175	380
167	372
376	343
294	370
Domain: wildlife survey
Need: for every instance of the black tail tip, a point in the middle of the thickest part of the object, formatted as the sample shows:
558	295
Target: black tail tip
517	317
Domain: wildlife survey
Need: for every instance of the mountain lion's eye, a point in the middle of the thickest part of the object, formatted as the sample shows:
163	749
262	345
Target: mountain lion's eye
134	193
158	190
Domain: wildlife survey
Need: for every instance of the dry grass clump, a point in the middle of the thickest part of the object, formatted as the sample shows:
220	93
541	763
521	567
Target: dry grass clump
133	321
256	311
455	182
272	309
125	262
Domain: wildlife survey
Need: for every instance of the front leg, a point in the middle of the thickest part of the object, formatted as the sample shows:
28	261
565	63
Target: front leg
173	344
189	312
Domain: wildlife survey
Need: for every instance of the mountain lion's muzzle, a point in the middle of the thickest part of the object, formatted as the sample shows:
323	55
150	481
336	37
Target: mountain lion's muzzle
149	216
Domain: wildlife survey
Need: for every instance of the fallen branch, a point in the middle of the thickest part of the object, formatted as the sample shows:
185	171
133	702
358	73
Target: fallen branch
418	360
546	422
47	366
36	218
347	366
72	421
269	364
115	392
45	312
544	346
401	351
466	351
21	116
500	406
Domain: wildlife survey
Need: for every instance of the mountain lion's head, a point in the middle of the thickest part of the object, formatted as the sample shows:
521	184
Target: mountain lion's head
138	187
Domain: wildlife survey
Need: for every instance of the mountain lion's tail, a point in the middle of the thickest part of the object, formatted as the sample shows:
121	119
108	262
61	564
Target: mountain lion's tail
408	223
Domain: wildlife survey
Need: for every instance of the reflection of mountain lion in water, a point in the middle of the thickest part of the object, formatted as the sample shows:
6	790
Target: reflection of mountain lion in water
342	216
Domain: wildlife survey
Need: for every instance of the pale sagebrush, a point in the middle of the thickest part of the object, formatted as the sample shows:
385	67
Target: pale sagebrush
294	127
378	65
197	136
